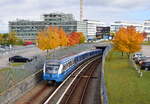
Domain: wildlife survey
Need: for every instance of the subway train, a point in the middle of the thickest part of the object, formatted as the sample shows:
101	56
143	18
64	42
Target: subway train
58	70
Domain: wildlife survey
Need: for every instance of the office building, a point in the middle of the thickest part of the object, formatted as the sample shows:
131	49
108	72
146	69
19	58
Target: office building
102	32
91	28
26	29
55	19
147	28
118	24
74	26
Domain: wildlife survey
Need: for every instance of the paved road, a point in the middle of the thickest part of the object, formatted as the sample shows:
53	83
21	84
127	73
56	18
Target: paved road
146	50
28	52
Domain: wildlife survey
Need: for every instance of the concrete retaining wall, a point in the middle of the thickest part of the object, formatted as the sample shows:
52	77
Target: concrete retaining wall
21	88
104	97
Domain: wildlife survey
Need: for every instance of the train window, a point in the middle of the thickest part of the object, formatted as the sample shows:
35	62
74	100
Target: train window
65	67
51	68
71	63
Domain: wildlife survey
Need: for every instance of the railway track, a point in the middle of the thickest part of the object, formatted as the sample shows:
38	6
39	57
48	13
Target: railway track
37	95
76	93
46	94
73	89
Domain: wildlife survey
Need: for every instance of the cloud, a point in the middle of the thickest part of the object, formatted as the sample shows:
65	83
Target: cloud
106	10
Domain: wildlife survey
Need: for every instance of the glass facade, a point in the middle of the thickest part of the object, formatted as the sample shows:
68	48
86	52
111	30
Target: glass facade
27	30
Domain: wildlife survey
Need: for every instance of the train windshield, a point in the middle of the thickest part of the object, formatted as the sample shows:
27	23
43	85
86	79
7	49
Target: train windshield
51	68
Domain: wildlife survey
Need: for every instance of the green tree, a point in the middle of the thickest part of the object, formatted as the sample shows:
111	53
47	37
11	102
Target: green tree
12	38
1	39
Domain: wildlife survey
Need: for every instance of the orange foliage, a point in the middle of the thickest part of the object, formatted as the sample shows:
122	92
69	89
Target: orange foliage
63	37
73	38
128	40
82	37
144	34
48	39
52	37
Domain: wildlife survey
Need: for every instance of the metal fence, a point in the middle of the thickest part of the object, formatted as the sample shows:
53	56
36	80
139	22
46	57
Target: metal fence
12	75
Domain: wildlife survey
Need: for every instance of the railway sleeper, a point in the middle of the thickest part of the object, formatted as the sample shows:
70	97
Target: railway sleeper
85	76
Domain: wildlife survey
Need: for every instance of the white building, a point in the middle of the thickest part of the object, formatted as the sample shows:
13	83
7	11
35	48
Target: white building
91	28
115	26
147	27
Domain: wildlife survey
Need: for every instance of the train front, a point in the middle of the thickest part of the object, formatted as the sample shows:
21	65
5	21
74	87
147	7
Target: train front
51	71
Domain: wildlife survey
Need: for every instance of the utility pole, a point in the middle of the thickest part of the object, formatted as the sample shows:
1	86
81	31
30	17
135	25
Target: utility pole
81	10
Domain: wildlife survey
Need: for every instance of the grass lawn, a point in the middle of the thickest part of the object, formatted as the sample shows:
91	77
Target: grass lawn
146	43
17	63
124	86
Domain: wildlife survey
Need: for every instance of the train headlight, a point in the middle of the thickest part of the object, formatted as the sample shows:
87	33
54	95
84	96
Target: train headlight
44	69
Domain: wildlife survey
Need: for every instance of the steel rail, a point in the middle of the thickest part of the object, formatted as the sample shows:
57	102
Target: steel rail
58	102
76	84
86	84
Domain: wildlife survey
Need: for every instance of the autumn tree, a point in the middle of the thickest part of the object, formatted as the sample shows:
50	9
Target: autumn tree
144	34
19	41
73	38
71	41
1	39
63	37
42	40
128	40
112	34
52	37
82	37
54	40
48	39
12	38
5	38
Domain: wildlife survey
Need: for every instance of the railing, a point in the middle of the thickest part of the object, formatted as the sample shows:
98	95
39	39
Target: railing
104	96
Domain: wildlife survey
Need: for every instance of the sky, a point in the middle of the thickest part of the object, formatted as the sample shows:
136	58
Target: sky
107	11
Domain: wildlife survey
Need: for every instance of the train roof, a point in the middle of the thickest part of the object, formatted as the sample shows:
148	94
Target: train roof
71	57
66	59
52	61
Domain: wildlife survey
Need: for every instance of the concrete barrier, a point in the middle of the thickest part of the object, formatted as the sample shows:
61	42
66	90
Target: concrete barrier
104	97
21	88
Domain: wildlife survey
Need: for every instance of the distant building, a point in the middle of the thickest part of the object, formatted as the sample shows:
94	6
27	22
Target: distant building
66	21
102	32
26	29
147	28
118	24
56	19
91	28
74	26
